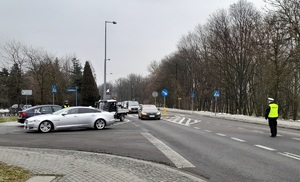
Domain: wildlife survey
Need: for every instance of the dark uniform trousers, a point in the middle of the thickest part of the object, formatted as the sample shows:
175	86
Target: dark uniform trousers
273	126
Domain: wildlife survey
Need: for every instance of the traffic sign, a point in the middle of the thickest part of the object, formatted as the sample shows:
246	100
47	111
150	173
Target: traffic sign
193	94
26	92
54	90
216	93
71	89
154	94
164	92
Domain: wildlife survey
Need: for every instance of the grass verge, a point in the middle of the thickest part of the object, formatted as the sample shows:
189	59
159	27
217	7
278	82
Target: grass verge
10	173
8	118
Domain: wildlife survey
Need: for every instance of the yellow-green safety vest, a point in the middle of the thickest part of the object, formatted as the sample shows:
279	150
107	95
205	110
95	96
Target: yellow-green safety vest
273	111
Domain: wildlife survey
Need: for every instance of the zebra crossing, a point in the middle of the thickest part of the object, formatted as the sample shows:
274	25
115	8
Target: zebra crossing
177	119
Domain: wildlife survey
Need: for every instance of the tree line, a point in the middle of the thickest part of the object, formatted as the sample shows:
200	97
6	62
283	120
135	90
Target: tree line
246	54
27	68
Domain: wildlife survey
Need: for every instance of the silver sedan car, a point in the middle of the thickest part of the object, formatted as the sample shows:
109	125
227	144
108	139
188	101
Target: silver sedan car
71	117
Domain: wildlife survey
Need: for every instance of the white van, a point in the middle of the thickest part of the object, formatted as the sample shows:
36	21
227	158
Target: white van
132	106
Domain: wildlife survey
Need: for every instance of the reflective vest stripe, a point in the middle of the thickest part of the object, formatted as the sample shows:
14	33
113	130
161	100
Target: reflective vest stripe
273	111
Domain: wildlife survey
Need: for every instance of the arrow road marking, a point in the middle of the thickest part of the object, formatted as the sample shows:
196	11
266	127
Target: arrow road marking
176	158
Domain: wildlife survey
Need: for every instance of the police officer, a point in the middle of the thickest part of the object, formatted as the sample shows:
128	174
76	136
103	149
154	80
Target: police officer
272	115
66	104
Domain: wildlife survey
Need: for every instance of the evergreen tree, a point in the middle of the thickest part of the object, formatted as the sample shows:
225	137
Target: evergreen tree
89	91
14	85
3	88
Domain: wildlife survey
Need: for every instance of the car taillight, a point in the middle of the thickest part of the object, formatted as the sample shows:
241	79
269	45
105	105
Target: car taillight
22	114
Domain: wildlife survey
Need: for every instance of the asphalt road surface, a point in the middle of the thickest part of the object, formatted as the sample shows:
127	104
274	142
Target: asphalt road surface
215	149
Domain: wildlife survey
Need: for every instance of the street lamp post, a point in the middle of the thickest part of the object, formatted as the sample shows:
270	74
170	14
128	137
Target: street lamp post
104	86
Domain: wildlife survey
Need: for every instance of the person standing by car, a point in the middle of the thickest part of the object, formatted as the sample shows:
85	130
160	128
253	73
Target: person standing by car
272	115
66	104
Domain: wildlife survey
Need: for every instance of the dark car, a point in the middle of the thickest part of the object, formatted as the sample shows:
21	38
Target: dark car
148	112
37	110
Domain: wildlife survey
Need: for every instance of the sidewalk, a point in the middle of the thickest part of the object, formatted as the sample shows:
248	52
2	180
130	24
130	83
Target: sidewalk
52	165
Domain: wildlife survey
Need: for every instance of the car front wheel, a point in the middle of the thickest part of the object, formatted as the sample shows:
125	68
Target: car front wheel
99	124
45	126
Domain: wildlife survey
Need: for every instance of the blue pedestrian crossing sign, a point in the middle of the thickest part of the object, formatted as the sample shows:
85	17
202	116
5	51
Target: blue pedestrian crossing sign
216	93
193	94
164	92
54	90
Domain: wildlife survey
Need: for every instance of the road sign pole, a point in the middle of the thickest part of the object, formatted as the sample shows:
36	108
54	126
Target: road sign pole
216	98
165	110
76	96
53	99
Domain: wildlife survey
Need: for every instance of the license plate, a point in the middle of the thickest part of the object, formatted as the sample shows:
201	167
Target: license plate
152	116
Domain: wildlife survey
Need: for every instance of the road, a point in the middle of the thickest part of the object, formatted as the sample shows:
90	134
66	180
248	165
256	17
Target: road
214	149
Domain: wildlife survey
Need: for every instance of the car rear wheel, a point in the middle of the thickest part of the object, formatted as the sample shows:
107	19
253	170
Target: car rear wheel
45	126
99	124
122	117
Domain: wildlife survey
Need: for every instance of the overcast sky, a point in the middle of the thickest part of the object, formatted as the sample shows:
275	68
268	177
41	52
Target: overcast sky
146	30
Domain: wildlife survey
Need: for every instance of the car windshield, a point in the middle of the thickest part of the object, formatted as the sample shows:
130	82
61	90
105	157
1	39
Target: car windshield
149	107
133	103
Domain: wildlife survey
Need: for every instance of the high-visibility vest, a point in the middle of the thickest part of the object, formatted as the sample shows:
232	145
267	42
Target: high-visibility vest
273	110
66	106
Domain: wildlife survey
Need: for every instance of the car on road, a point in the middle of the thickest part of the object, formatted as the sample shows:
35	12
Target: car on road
132	106
148	112
70	117
37	110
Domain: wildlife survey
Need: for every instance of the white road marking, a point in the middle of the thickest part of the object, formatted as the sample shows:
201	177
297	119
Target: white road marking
279	135
177	159
296	138
207	131
197	128
188	122
220	134
180	122
294	156
237	139
264	147
241	128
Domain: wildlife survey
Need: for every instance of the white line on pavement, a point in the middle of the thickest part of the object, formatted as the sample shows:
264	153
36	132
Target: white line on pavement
220	134
237	139
197	128
294	156
188	122
180	122
264	147
177	159
296	138
207	131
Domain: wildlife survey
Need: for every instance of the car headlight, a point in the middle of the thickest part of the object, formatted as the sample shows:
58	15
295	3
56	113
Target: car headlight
158	113
33	121
144	113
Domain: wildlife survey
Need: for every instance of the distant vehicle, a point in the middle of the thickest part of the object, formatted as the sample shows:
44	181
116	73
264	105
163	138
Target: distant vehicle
148	112
132	106
37	110
70	117
15	108
112	106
